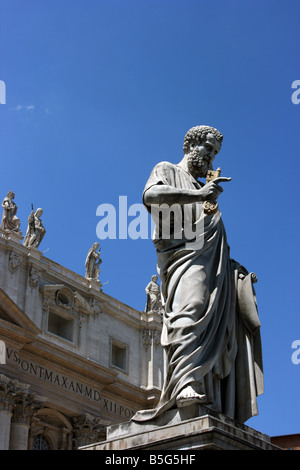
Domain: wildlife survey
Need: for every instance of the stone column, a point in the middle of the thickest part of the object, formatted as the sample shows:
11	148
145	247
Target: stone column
19	436
25	406
5	419
6	406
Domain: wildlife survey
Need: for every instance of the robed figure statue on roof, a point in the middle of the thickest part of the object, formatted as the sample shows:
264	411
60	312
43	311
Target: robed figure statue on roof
35	230
92	262
9	220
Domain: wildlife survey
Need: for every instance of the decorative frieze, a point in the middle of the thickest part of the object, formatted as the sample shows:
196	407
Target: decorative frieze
62	296
151	335
34	277
7	394
96	307
88	429
14	262
25	406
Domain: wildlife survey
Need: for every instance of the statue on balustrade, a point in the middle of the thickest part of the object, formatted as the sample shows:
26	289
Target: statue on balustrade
10	220
153	303
92	262
35	230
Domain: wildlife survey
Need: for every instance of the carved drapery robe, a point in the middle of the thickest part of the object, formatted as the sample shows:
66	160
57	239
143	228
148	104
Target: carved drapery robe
35	231
92	263
9	219
153	297
210	333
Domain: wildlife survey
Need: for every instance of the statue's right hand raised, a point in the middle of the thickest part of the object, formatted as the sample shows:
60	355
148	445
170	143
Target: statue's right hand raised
212	190
221	179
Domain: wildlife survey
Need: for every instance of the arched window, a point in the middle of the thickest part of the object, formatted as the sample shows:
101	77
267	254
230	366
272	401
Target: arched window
40	443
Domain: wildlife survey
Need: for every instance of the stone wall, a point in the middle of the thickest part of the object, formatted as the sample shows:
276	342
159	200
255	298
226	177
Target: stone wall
94	360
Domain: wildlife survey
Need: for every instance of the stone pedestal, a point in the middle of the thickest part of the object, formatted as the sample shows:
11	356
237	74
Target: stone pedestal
16	237
34	253
190	428
94	284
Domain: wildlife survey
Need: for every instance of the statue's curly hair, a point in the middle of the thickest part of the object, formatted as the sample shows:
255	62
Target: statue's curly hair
197	134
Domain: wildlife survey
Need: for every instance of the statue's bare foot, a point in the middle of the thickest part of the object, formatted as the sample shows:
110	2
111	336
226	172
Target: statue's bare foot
189	396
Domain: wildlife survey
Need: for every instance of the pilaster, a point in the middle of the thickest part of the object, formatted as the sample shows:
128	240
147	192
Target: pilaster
17	408
6	406
152	356
25	407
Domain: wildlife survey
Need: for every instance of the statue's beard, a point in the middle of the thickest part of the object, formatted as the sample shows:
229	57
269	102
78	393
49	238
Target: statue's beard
197	165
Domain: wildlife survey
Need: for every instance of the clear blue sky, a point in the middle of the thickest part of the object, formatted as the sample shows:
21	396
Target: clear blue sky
99	91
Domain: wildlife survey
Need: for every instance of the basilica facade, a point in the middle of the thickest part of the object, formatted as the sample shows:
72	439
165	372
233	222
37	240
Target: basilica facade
73	360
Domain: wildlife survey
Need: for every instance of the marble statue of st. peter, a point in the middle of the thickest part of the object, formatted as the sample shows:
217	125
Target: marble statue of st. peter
211	329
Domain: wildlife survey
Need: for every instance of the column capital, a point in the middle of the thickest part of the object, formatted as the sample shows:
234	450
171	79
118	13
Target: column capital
25	406
15	398
88	429
7	394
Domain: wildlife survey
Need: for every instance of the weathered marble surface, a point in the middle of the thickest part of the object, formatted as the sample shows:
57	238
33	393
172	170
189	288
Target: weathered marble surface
10	220
92	262
193	427
35	229
153	303
211	333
